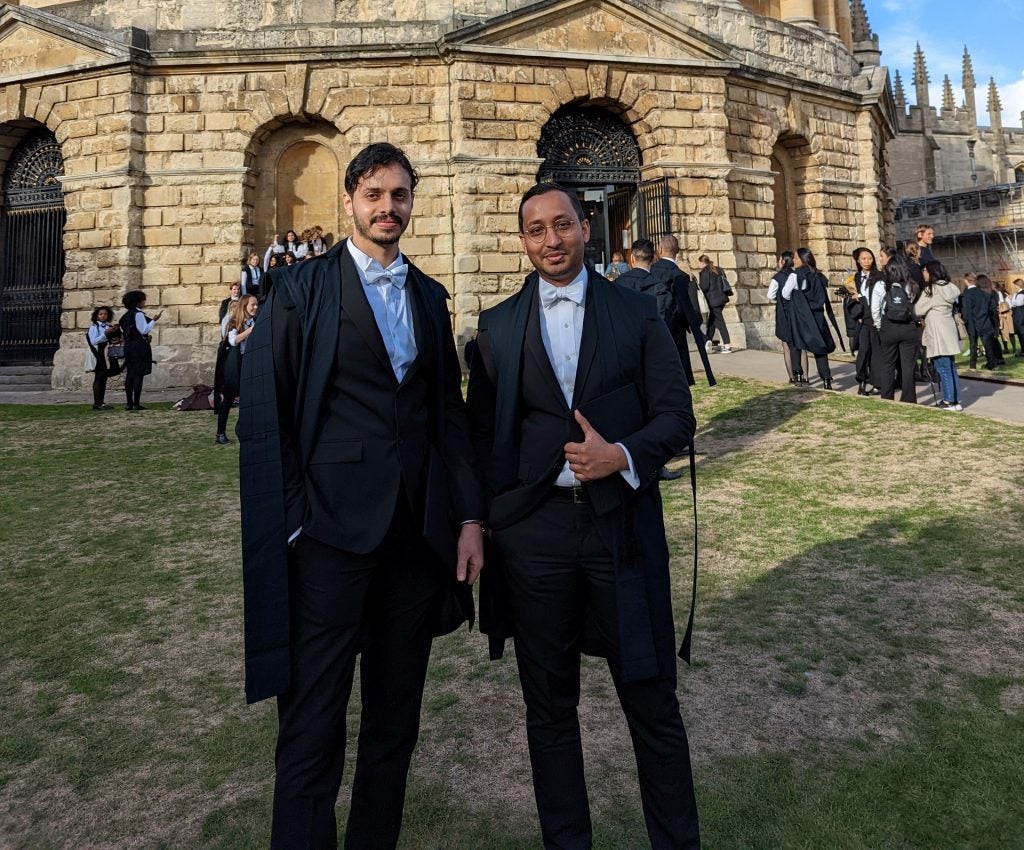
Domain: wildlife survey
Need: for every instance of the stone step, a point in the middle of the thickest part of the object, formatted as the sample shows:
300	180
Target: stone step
21	379
26	370
25	388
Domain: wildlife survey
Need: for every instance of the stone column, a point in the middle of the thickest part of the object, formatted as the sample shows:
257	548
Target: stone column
798	11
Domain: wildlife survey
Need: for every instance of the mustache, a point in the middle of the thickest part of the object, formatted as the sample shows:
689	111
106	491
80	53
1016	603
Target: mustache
388	217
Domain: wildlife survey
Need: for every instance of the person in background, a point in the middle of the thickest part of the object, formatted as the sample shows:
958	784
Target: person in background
225	305
783	329
275	249
316	241
276	262
101	332
291	243
979	311
136	327
1007	335
716	291
805	289
289	258
251	280
934	308
869	346
469	350
237	328
1017	313
302	246
617	266
925	234
898	330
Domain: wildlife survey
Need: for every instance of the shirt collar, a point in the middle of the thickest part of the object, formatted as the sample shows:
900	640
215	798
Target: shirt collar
548	290
367	266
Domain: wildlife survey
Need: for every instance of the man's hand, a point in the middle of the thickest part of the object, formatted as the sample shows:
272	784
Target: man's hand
594	458
471	553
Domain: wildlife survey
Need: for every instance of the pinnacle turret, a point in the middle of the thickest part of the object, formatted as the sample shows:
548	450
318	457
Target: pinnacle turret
968	67
898	94
969	86
995	105
948	103
920	78
860	25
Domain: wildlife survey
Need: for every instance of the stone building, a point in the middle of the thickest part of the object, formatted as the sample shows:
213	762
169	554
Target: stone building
151	143
959	175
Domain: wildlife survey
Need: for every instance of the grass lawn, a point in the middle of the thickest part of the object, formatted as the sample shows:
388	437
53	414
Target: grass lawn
1014	367
858	679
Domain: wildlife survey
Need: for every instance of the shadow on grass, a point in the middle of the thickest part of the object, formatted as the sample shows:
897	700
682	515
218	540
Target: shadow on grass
867	679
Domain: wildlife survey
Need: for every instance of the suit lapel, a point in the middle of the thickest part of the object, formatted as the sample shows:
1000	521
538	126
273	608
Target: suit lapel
588	342
422	327
356	306
535	348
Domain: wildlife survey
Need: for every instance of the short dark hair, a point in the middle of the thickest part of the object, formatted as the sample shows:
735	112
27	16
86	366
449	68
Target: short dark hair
374	157
133	299
96	313
858	251
543	189
643	250
787	259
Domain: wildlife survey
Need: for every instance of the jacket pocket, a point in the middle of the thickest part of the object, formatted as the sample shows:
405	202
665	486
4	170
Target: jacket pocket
337	451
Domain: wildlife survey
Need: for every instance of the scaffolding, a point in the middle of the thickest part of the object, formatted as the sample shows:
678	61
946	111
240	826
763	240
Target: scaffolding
991	218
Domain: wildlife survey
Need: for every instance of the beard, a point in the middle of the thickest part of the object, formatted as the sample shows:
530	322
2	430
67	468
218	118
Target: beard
365	229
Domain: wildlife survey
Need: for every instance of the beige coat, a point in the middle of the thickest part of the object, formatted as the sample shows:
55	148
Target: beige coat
940	336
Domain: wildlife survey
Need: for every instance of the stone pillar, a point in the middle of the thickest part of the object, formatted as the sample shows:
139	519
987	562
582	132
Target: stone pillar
751	212
798	11
844	22
825	14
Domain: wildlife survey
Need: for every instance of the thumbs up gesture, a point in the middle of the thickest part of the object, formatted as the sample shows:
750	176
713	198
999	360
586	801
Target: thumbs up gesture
595	457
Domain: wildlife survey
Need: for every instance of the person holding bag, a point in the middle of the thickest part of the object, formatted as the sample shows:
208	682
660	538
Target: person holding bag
717	291
99	336
934	309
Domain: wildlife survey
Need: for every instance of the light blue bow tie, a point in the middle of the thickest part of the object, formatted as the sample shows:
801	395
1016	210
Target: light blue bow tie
393	274
551	295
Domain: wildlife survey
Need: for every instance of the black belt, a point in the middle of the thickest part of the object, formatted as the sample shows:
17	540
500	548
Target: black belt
575	495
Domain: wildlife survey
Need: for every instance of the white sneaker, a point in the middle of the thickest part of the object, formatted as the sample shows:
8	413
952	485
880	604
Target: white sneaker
725	349
957	406
709	346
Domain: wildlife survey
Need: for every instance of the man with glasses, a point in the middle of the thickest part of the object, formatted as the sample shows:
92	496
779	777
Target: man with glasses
577	398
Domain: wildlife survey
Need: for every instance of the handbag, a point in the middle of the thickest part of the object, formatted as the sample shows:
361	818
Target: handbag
724	283
115	352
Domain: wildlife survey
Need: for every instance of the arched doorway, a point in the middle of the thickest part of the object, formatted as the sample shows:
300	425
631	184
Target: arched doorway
591	150
296	175
32	250
790	161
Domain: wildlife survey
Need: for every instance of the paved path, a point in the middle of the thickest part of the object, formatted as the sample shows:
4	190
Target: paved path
980	398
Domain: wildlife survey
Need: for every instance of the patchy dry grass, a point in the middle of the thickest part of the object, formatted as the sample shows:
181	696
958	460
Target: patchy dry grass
857	683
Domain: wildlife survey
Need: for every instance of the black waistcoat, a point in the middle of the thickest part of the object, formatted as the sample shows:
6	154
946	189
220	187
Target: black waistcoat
373	439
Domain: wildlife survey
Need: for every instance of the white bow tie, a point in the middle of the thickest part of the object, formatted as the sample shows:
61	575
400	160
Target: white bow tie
551	295
394	274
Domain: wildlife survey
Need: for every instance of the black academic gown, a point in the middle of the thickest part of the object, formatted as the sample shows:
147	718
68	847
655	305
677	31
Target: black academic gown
808	326
624	343
274	499
686	318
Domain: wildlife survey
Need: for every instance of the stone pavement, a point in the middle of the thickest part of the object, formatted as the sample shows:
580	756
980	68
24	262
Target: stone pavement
991	399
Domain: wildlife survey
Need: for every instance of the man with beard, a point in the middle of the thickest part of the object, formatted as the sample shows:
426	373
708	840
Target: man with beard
577	398
361	510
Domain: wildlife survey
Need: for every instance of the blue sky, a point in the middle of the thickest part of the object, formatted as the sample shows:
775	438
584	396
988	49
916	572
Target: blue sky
991	29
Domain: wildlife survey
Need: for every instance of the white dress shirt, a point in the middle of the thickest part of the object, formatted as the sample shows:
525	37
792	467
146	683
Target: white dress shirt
389	299
562	309
98	332
144	325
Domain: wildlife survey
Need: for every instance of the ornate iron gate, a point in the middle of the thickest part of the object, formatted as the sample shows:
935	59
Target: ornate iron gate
654	217
32	251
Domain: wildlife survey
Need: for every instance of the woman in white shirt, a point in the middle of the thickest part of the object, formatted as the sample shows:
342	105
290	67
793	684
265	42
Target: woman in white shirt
934	308
252	276
1017	313
100	333
138	353
238	327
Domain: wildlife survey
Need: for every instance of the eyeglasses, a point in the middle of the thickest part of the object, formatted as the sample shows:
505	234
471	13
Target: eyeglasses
537	232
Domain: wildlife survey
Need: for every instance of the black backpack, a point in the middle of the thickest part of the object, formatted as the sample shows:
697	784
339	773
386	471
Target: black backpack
897	307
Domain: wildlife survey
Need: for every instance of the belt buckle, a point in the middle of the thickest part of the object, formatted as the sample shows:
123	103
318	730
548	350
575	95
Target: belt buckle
577	495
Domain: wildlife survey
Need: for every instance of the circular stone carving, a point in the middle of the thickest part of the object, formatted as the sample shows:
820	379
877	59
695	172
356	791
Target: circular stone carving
588	145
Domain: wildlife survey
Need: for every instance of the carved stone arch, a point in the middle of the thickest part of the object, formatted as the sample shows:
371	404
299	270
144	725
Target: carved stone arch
32	217
794	165
1018	173
588	144
295	180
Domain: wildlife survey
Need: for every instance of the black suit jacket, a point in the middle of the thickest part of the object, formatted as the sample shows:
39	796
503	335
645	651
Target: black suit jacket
687	316
519	422
340	470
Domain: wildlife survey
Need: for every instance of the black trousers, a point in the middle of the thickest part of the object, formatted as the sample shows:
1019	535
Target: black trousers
223	403
133	387
798	358
383	605
561	577
900	343
787	358
99	383
716	319
869	354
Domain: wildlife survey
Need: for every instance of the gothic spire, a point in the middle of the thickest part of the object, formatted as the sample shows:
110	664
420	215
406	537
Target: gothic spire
995	105
969	83
898	94
861	27
920	78
948	104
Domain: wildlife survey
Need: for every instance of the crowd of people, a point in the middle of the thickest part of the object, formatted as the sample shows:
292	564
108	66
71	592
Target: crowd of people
294	248
906	320
122	346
